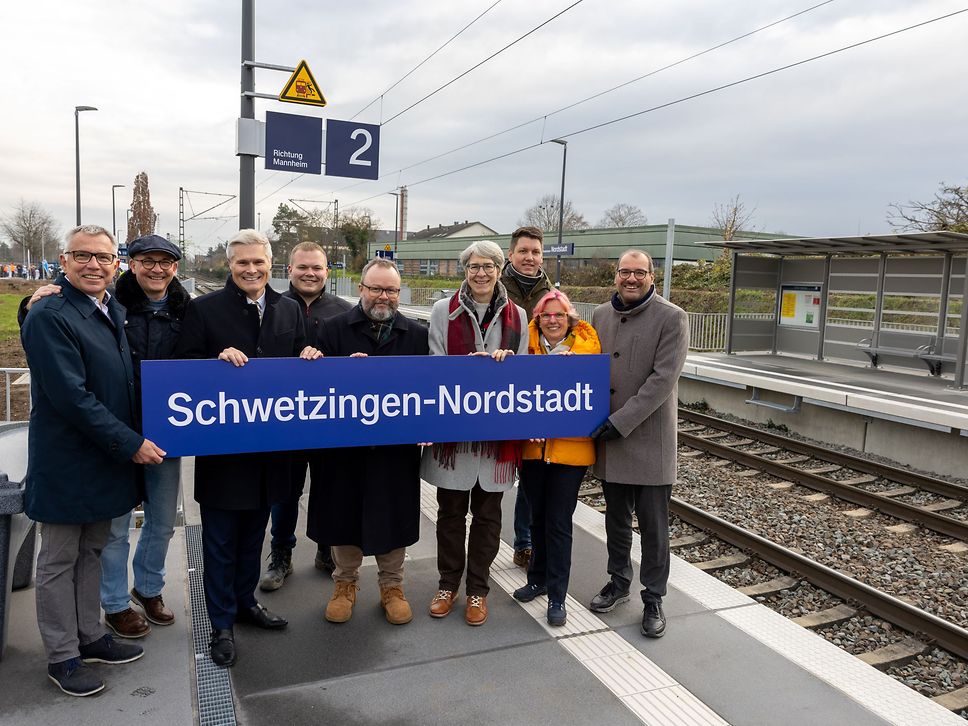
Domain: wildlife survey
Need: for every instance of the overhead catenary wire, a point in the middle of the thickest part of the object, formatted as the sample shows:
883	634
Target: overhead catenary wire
493	55
411	71
678	101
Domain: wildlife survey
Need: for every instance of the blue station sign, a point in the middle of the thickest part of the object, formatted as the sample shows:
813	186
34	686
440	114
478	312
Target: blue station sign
562	250
198	407
352	149
294	143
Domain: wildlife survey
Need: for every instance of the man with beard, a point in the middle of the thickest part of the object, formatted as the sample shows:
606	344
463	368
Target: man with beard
369	501
647	338
307	286
246	319
526	283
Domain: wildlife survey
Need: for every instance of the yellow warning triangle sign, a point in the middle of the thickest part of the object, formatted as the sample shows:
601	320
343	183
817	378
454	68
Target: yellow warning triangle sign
302	87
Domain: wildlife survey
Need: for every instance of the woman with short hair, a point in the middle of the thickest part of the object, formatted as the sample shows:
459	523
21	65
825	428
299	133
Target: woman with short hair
553	469
477	320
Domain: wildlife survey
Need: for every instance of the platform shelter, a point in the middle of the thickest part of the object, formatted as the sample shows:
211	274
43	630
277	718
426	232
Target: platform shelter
893	300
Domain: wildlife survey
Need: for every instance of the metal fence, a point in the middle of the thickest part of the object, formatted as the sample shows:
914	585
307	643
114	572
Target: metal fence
10	375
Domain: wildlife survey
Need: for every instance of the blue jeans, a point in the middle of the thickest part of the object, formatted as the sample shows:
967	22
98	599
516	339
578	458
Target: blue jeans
162	482
522	521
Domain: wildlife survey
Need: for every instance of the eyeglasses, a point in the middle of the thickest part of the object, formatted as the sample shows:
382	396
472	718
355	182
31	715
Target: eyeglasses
548	317
474	268
83	257
624	274
149	264
391	292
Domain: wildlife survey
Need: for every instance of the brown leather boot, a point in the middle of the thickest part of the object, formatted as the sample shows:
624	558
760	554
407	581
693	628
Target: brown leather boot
395	605
340	607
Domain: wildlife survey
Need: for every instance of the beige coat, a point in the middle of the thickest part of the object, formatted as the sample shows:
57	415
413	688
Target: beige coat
648	347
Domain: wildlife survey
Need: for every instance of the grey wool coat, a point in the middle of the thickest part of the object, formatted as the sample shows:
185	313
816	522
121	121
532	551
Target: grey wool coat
470	467
648	347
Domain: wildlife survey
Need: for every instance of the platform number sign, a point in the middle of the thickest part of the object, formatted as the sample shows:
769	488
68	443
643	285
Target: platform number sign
352	149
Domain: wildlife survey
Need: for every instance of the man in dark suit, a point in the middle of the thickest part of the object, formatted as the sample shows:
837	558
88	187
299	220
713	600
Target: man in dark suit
82	454
246	319
368	502
307	286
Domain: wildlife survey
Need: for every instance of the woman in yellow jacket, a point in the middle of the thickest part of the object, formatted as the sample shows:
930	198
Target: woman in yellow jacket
553	469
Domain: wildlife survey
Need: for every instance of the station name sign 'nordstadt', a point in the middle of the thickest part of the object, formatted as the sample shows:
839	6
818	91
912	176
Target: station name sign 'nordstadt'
204	407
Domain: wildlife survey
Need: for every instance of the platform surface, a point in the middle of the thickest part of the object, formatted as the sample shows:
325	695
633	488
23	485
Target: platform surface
724	658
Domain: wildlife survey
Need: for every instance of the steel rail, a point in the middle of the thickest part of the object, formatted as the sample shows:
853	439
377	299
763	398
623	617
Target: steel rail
894	473
936	630
908	512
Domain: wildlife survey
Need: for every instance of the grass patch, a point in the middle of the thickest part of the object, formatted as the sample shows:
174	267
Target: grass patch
9	302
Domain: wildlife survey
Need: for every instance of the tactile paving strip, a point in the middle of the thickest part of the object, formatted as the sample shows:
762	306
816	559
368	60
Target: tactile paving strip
646	690
216	705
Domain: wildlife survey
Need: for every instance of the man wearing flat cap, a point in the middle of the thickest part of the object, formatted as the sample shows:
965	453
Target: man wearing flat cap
155	303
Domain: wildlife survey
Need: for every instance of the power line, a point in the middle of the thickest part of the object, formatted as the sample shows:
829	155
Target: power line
681	100
478	65
408	73
607	91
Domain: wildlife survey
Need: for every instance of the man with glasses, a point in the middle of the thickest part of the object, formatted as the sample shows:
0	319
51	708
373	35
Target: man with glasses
647	338
155	304
526	283
82	454
368	503
308	271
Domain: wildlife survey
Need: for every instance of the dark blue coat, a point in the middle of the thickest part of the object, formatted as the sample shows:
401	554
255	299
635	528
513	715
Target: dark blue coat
82	424
368	496
224	319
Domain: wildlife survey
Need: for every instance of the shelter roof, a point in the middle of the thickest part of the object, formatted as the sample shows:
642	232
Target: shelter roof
904	242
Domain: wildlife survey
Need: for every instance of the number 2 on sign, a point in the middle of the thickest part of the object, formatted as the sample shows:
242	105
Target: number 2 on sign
368	140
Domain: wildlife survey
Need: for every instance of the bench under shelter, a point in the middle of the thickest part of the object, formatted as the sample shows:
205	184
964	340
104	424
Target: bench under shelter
893	300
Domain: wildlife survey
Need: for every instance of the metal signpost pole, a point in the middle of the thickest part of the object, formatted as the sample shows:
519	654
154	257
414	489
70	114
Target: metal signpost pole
247	161
669	258
561	207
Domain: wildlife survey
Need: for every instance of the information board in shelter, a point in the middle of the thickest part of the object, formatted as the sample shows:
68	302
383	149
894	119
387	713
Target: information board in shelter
800	306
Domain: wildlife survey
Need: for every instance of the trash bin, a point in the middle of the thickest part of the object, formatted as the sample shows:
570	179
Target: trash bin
16	540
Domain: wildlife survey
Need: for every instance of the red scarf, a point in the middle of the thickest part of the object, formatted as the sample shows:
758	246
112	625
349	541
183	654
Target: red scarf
461	340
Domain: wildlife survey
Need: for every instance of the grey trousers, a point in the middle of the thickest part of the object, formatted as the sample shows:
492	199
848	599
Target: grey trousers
651	507
68	587
349	558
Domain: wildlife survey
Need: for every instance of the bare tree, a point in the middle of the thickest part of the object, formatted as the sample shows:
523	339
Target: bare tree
356	230
948	211
31	229
623	215
543	214
143	217
732	217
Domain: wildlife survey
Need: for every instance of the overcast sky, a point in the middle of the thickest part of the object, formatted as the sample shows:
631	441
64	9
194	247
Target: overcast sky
820	149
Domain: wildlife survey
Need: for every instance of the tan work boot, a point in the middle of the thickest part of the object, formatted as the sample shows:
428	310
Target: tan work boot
340	607
395	605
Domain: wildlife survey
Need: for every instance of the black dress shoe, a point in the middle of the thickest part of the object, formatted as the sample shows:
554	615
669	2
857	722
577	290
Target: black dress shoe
259	616
653	620
222	648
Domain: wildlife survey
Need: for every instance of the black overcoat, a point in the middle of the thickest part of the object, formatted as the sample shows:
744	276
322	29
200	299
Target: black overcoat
323	307
368	496
82	420
224	319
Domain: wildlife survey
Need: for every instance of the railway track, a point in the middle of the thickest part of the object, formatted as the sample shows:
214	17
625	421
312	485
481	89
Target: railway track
849	489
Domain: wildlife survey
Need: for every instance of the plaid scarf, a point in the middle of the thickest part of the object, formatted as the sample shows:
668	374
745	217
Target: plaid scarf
461	340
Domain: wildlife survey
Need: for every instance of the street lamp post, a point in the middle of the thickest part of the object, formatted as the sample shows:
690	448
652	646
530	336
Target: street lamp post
77	157
561	207
114	220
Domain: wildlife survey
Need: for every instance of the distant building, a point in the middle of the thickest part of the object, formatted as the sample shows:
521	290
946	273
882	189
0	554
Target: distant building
434	251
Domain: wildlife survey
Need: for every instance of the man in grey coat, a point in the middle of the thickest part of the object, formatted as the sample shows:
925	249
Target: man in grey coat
647	337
